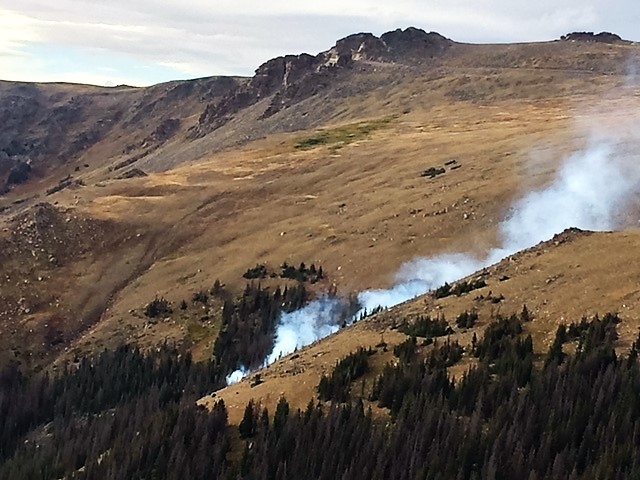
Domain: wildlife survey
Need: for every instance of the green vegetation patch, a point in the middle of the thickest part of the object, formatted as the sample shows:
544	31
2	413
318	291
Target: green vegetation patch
339	137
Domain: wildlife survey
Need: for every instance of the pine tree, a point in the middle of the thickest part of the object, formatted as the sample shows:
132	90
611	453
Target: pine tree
247	426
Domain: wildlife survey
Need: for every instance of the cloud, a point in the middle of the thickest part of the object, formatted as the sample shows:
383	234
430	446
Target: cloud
195	37
16	32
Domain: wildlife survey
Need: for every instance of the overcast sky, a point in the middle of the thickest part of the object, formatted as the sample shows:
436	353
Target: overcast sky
141	42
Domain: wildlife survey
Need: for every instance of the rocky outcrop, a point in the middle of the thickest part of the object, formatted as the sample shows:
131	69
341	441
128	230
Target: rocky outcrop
602	37
282	72
414	45
292	78
410	46
271	77
354	48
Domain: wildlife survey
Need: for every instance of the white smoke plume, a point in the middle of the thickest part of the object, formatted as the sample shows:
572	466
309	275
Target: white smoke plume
300	328
418	277
314	322
592	191
237	375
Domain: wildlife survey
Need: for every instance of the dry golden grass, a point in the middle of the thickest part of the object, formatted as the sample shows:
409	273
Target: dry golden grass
297	376
359	210
578	274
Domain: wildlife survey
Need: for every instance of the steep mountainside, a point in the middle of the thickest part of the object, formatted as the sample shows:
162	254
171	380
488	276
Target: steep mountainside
576	274
116	196
52	130
60	134
401	238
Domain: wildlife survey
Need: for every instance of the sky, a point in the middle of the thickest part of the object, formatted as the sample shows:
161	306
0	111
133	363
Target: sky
143	42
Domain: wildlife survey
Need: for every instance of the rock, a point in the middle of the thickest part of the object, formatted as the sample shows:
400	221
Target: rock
602	37
293	78
132	173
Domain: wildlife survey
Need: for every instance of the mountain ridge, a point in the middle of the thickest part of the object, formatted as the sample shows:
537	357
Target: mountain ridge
75	133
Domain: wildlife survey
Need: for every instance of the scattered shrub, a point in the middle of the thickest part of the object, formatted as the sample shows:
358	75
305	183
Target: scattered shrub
158	307
433	172
257	272
302	273
459	288
467	319
200	297
426	327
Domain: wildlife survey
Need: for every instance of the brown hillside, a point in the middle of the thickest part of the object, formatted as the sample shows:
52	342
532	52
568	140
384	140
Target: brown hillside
315	159
574	275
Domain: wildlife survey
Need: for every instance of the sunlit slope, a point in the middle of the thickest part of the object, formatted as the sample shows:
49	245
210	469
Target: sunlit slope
361	210
351	196
573	275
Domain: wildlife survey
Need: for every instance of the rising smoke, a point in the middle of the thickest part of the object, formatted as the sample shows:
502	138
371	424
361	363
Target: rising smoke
592	191
297	329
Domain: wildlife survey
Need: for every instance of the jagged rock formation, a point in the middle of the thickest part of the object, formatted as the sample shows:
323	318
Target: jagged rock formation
602	37
292	78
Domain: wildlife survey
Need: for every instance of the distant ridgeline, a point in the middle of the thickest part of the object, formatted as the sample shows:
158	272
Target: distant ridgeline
128	414
602	37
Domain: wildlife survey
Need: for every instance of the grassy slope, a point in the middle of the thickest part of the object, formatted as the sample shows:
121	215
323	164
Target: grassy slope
354	203
575	275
